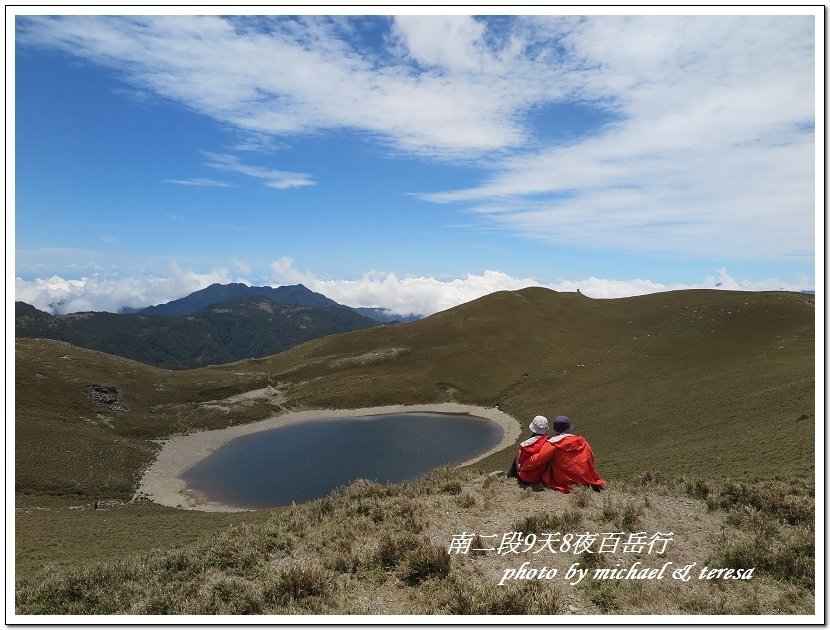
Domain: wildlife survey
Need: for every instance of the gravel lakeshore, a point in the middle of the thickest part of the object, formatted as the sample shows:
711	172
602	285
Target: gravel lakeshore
162	483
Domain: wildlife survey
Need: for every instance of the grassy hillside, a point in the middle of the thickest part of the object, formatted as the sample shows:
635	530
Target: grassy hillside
683	383
374	549
693	384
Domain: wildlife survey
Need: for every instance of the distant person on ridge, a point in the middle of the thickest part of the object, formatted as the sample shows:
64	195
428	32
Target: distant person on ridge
539	427
562	461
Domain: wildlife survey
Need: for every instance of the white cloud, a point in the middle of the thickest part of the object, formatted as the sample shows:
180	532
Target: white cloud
241	266
272	178
285	273
427	295
421	295
452	42
710	155
201	182
227	69
401	295
111	292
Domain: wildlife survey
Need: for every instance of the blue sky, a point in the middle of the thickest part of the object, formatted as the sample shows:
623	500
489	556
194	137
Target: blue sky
411	162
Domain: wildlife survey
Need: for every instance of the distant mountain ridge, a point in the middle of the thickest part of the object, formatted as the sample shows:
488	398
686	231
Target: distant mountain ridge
239	327
289	294
217	293
218	324
384	316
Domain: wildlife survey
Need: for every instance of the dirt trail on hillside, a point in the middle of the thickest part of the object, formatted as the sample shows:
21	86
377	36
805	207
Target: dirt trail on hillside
161	482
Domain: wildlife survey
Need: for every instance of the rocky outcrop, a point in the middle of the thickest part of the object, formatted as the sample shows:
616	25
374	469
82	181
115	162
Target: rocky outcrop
106	395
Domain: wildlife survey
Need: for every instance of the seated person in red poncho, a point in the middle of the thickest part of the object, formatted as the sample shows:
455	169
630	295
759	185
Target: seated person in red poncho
539	428
562	461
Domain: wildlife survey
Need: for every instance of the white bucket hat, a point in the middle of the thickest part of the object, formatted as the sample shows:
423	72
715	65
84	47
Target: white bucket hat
539	424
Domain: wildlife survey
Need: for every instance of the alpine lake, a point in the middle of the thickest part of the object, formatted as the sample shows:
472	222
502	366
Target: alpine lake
306	461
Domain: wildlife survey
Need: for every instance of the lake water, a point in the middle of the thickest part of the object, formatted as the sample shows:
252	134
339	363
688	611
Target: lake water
306	461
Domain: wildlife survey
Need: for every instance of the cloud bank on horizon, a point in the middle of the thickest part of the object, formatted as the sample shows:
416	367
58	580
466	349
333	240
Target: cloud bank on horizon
688	137
399	295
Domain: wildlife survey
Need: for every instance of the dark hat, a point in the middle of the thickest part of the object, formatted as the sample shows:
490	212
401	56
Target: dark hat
561	424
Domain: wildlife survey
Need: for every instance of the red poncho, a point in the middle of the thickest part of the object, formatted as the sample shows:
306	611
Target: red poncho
527	449
563	461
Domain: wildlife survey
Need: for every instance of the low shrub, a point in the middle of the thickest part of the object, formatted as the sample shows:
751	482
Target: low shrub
592	560
402	514
441	480
478	547
524	598
625	516
788	555
451	487
540	523
341	555
581	497
465	500
606	596
365	489
297	582
71	591
630	518
392	550
423	562
698	489
751	521
416	559
652	479
775	498
227	595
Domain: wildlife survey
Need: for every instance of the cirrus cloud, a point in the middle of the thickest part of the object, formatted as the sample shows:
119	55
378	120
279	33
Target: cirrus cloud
710	153
224	67
272	178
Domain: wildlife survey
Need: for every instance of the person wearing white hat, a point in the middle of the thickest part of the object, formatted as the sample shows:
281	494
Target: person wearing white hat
539	427
562	461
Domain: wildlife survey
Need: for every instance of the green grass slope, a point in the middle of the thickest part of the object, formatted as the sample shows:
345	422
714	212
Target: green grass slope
697	382
692	382
707	384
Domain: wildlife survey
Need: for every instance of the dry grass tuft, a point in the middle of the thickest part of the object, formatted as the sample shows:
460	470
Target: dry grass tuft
788	503
223	594
788	555
581	497
415	558
540	523
523	598
698	489
298	582
393	550
466	500
374	549
425	561
624	515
